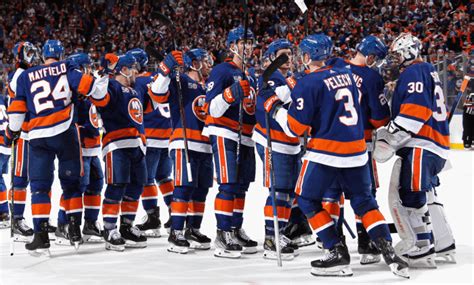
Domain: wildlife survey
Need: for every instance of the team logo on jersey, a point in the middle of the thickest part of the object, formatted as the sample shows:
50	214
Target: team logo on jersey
249	102
94	116
135	110
199	109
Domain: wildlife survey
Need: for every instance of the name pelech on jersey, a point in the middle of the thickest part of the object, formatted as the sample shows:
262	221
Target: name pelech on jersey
156	116
281	142
375	109
419	107
194	100
327	103
122	116
222	76
88	122
45	94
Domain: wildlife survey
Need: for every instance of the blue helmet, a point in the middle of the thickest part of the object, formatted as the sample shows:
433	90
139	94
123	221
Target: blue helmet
318	46
195	54
24	53
372	45
275	46
53	49
140	56
80	59
237	34
125	60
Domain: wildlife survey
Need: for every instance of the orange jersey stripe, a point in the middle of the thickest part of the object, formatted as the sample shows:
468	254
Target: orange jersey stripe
158	99
52	119
297	127
17	106
227	122
277	135
429	132
190	134
122	133
337	146
158	133
100	102
379	123
91	142
85	84
417	111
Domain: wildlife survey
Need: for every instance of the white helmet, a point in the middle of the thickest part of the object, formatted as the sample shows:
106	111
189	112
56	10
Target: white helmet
406	48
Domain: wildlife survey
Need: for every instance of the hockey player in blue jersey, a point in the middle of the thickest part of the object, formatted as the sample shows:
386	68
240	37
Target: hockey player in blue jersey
157	131
227	87
190	193
123	149
325	103
44	94
418	134
285	154
371	51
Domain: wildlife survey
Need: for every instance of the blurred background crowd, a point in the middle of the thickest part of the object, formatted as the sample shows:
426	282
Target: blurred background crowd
99	26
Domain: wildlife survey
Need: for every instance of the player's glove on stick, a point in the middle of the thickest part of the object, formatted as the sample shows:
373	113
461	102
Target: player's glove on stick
11	136
172	61
388	140
233	94
272	105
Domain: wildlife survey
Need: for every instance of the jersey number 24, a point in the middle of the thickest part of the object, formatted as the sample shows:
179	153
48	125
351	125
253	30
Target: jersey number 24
42	100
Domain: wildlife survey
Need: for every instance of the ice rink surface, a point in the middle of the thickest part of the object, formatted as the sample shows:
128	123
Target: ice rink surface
92	264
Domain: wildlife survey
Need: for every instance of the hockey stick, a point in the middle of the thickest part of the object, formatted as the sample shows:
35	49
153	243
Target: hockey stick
464	84
241	104
168	23
266	76
12	206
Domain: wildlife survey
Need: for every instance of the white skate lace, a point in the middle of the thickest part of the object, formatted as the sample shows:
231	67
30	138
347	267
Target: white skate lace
284	241
229	239
330	254
114	234
179	235
135	231
22	225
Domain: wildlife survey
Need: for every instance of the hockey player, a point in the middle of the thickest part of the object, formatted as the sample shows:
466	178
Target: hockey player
5	151
371	51
157	132
25	56
419	134
285	153
227	87
190	193
326	104
123	149
44	93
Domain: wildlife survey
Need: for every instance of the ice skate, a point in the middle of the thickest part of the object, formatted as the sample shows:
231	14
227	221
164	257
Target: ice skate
40	244
197	239
269	247
4	220
21	231
177	242
300	234
61	235
248	246
167	225
447	255
151	224
113	240
397	265
51	231
226	245
369	253
421	258
91	232
74	233
335	262
132	236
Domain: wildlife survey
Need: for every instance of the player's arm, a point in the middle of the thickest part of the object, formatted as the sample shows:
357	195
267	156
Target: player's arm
87	85
16	111
379	111
159	88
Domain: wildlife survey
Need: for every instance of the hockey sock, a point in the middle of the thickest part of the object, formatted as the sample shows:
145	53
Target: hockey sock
375	225
128	207
166	188
91	205
179	206
73	204
323	225
283	213
62	218
224	209
238	212
3	199
150	198
296	215
20	201
332	207
111	204
196	208
40	208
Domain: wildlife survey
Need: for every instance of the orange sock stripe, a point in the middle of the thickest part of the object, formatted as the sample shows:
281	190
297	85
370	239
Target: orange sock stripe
239	204
178	207
92	200
166	188
225	206
62	203
287	213
341	201
332	208
281	212
372	219
129	206
150	191
73	204
320	221
40	209
20	195
3	196
110	209
196	207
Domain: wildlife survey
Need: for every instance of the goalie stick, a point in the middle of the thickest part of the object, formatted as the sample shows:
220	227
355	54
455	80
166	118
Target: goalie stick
464	84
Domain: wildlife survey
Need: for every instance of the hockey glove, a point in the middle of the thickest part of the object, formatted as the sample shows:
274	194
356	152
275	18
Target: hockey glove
233	94
172	61
11	136
272	105
388	141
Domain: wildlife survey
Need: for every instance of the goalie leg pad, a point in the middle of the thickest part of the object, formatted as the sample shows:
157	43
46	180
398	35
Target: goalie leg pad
443	235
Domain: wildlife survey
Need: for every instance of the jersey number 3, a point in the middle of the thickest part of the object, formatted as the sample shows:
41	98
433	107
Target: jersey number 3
41	99
350	120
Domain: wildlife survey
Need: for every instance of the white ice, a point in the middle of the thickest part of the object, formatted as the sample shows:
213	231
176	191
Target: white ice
92	264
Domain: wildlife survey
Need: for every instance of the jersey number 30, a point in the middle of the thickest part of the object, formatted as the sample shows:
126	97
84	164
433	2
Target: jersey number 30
41	99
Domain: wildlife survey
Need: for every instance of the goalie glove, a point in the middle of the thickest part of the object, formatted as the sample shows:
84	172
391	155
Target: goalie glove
388	140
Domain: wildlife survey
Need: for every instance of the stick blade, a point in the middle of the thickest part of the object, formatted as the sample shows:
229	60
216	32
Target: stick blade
279	61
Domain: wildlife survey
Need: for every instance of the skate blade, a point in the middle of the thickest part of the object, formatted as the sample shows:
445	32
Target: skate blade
133	244
305	241
119	248
271	255
249	250
336	271
152	233
93	239
178	249
399	272
76	245
62	241
40	252
21	238
200	246
370	259
4	225
446	257
425	262
219	252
